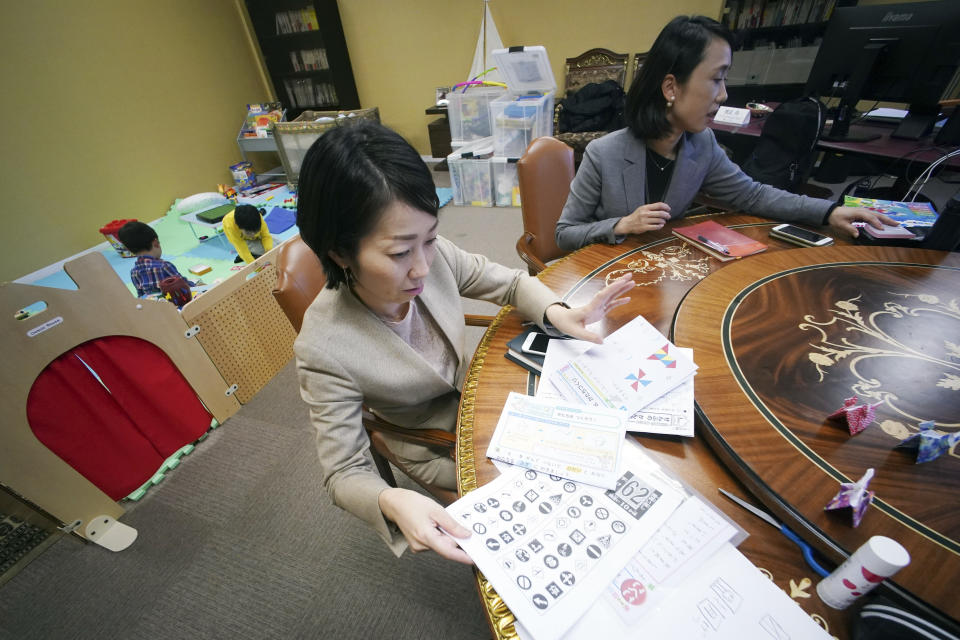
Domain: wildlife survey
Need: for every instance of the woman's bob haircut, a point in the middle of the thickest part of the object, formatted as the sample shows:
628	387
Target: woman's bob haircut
349	176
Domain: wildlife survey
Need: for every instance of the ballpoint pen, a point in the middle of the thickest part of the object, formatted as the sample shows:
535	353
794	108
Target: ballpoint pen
804	547
714	245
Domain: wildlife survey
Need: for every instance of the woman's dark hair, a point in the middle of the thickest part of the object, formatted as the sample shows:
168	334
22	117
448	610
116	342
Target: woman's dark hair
348	177
678	50
247	217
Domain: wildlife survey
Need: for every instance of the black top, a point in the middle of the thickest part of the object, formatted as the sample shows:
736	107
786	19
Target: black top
659	171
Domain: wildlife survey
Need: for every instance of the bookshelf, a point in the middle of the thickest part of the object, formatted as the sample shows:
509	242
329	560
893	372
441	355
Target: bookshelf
776	44
305	53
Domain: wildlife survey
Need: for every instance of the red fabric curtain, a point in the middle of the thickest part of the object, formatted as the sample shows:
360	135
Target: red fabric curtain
118	433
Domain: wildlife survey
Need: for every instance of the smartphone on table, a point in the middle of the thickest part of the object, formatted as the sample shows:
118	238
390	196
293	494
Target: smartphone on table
536	343
800	236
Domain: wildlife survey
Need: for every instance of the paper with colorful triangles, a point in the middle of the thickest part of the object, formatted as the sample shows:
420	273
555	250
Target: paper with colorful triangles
928	443
634	366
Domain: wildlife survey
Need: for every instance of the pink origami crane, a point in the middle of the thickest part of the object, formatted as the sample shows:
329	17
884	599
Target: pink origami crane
857	417
855	496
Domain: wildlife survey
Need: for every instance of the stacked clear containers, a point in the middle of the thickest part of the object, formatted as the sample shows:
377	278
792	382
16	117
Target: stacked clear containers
471	177
469	113
506	188
526	111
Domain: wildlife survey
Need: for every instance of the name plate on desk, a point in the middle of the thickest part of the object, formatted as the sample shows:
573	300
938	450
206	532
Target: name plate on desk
732	115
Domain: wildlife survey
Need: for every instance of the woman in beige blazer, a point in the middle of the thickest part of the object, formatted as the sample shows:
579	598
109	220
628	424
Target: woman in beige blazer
387	331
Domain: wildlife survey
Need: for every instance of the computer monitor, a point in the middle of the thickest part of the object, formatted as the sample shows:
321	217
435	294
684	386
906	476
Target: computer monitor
905	52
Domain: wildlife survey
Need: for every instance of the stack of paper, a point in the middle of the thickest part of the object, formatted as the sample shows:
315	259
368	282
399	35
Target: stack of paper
634	366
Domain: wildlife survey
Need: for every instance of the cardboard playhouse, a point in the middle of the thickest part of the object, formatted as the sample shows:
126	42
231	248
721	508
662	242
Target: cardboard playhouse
98	388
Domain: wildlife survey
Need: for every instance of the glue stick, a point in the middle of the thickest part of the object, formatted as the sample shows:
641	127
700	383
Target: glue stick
879	558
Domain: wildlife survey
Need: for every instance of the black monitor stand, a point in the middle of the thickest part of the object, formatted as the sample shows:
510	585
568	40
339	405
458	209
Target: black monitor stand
852	86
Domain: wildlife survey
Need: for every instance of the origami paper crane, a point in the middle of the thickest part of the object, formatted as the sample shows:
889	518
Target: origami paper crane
929	444
855	496
857	416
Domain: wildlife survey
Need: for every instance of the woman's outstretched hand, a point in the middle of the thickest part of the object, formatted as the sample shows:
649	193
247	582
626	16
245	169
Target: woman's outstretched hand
419	518
573	322
843	218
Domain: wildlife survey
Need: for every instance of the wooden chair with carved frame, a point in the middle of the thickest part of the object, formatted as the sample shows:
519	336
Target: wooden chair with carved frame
596	65
300	278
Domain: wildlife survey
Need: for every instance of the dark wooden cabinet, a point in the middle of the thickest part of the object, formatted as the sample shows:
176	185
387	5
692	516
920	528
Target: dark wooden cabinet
305	52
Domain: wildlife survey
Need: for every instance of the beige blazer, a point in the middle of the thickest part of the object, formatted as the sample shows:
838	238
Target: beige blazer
346	357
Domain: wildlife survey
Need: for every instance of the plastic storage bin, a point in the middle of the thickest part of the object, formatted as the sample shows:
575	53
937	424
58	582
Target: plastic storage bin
470	173
526	111
110	231
506	187
469	113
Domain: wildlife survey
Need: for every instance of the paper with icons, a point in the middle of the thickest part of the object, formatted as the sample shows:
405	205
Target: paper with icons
550	546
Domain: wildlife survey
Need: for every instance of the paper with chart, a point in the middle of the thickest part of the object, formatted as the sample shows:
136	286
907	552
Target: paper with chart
634	366
670	414
727	598
570	440
550	546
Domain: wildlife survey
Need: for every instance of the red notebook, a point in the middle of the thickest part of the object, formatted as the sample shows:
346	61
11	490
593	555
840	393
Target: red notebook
719	241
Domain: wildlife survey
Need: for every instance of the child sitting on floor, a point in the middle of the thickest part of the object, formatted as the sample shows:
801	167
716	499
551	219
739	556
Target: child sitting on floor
247	231
149	270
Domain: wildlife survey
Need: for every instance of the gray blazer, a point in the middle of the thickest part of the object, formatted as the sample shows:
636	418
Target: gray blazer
611	183
347	357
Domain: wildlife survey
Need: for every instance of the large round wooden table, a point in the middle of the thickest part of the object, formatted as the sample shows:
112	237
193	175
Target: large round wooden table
781	339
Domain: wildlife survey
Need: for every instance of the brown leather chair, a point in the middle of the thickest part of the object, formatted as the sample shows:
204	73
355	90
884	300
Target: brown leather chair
300	278
545	172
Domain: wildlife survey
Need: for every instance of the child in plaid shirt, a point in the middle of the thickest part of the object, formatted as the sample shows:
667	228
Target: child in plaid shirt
149	271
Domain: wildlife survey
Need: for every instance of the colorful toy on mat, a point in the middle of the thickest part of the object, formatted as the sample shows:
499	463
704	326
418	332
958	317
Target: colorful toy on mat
928	443
110	230
227	191
857	416
855	496
176	289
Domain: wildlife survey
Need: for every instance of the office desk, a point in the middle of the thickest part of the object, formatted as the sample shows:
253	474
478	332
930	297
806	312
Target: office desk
665	271
883	147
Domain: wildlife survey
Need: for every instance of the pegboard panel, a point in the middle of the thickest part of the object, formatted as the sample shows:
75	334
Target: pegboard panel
244	331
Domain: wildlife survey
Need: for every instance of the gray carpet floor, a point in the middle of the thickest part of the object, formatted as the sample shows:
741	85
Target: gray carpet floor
241	541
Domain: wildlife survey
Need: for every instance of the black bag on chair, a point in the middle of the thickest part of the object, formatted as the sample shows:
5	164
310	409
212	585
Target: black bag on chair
595	107
787	148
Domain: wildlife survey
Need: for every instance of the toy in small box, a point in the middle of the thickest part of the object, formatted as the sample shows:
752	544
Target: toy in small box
110	230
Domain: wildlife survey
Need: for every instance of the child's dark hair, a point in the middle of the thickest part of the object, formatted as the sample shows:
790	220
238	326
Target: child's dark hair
678	50
348	177
247	217
137	236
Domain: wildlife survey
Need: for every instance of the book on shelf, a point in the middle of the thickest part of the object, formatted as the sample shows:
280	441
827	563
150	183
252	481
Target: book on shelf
296	21
719	241
529	361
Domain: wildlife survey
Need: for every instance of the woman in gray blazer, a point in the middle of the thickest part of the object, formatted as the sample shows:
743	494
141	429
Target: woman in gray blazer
387	331
635	179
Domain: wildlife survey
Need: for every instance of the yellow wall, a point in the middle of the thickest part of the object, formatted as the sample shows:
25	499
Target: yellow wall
115	108
401	51
112	109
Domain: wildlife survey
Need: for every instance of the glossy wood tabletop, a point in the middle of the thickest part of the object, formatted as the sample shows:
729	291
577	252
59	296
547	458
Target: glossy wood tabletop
783	339
665	270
